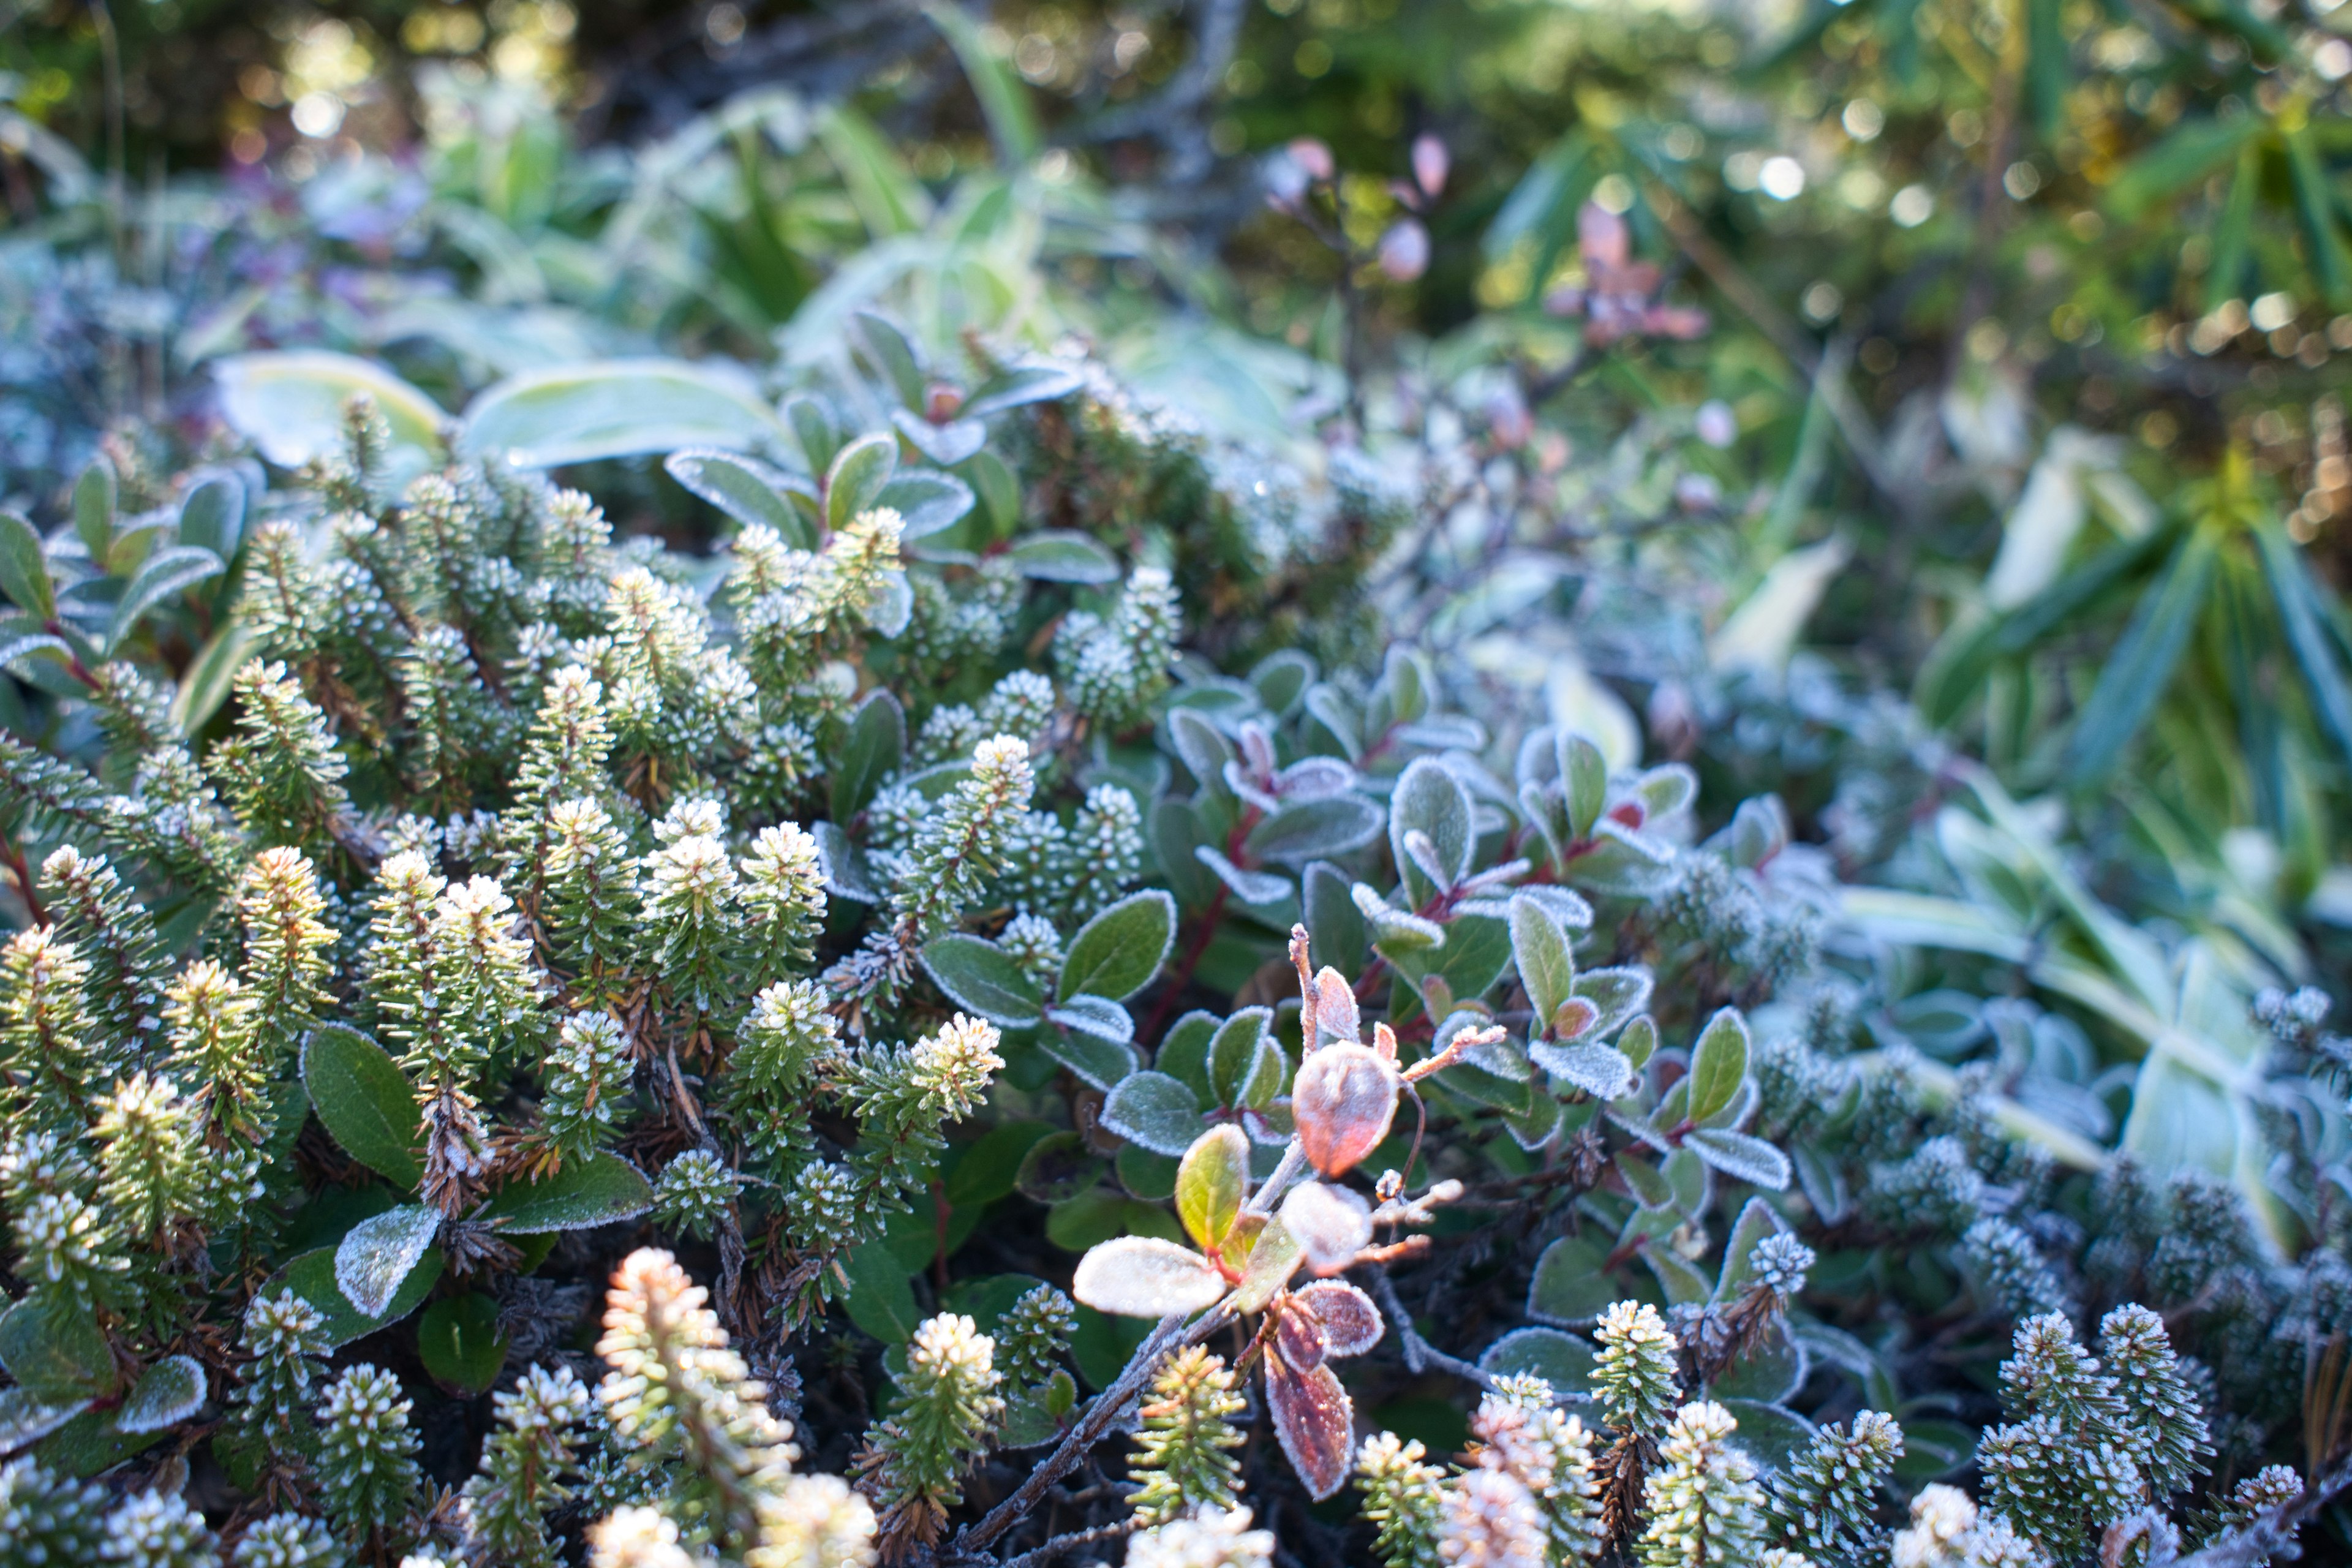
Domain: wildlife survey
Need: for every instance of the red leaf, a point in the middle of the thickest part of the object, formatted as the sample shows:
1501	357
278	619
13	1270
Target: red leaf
1298	1335
1343	1100
1315	1420
1351	1325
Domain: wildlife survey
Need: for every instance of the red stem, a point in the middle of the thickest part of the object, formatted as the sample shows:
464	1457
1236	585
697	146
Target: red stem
1205	933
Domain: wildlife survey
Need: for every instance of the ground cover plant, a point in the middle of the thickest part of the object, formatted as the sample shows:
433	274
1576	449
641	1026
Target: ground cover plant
1076	843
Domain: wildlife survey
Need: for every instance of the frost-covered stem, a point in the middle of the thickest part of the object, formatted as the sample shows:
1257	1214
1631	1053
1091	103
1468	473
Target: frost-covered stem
1171	1334
1419	1353
1264	1199
1038	1556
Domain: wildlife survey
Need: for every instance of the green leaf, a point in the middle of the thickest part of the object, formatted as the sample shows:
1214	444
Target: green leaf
888	343
1333	920
596	1190
312	1276
24	568
1184	1053
1757	1221
1774	1434
1078	1223
1309	829
2315	211
926	502
1478	951
460	1343
1281	680
1540	946
1089	1057
979	977
1718	1064
1650	1189
380	1252
15	646
989	1169
616	408
212	512
1563	1360
1103	1344
888	198
871	750
89	1444
881	1302
94	496
1245	1067
1429	800
1020	387
1683	1284
1155	1110
210	675
2301	618
2234	230
1057	1168
1059	555
290	407
745	488
814	426
1003	99
1116	954
2141	667
1738	1155
1145	1174
24	1418
1211	1183
56	1349
854	481
1571	1282
1271	1262
2180	162
167	572
167	1393
1933	1449
1584	782
364	1101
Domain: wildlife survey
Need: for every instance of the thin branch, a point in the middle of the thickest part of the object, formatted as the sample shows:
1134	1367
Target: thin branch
1419	1356
1036	1557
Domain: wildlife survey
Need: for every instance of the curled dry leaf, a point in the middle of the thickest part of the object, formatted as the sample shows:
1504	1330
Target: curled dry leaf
1331	1225
1343	1100
1144	1277
1315	1422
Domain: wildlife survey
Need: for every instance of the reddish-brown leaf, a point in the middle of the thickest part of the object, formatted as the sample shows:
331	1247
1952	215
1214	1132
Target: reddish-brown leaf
1336	1017
1315	1422
1343	1101
1351	1325
1298	1334
1575	1015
